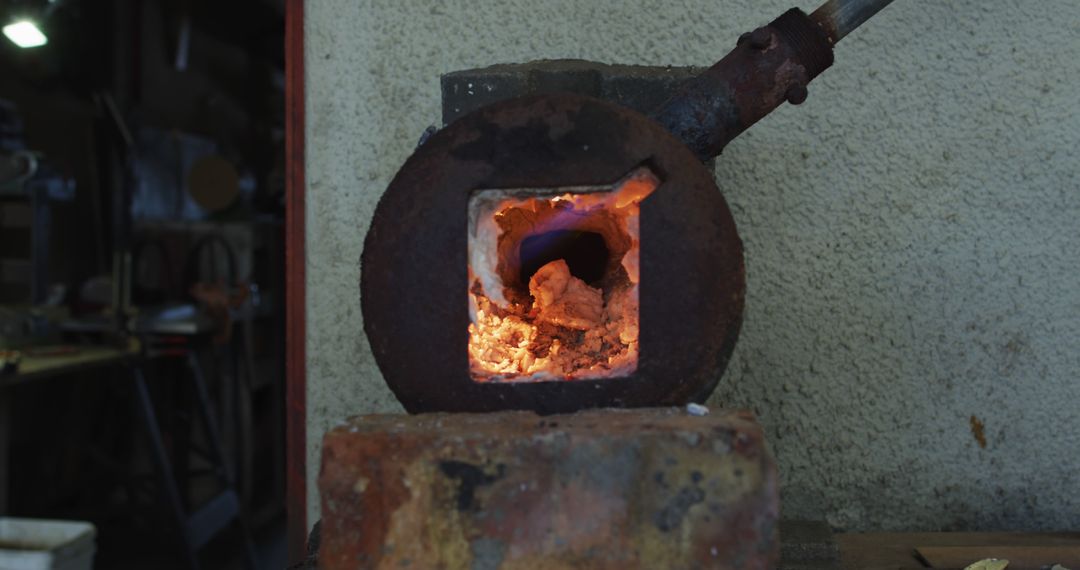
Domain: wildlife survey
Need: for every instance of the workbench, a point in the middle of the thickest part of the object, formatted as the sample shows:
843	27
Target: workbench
194	527
42	363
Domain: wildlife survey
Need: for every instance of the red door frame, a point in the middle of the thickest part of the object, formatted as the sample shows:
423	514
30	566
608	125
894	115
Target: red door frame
295	299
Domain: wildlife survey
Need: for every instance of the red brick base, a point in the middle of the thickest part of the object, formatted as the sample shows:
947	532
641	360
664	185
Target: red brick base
611	489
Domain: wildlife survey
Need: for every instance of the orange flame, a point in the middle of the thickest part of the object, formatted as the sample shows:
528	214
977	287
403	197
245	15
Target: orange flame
559	328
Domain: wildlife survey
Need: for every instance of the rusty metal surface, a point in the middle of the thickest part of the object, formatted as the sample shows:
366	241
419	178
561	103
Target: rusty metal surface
414	266
601	489
769	66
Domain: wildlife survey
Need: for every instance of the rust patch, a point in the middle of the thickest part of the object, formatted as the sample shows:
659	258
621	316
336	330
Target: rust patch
978	430
768	67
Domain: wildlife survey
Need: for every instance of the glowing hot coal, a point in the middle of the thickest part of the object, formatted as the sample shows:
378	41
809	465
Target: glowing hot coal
553	281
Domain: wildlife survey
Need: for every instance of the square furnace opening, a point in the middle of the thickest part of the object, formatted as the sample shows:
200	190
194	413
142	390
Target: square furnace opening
553	281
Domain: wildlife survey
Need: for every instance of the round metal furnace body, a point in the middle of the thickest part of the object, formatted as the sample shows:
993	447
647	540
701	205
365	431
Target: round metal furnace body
415	276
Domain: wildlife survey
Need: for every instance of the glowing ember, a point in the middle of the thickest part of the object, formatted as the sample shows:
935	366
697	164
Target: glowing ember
534	316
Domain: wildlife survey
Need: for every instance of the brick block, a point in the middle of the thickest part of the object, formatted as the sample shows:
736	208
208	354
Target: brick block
603	489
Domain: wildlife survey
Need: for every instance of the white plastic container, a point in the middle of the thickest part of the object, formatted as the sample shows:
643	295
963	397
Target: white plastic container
35	544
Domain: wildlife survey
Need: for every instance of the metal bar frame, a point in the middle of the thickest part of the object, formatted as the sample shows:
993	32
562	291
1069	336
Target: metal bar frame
295	294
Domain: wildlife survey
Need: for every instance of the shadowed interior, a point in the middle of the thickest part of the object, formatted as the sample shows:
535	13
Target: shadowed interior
586	253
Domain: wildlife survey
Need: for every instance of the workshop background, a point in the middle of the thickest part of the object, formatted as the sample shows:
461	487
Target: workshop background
912	235
142	281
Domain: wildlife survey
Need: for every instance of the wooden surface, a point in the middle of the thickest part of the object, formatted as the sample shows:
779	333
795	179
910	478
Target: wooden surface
894	551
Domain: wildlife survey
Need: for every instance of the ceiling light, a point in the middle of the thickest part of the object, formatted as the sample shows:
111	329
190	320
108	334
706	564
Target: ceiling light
25	34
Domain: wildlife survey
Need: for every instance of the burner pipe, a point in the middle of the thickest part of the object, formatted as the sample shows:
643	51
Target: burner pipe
768	66
840	17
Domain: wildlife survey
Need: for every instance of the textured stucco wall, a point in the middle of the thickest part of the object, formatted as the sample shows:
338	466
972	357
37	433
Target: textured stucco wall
912	235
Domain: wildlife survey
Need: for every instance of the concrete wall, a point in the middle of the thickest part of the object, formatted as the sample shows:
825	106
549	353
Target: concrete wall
912	235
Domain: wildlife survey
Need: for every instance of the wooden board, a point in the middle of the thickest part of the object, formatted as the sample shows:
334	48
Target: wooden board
41	362
1019	557
897	551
